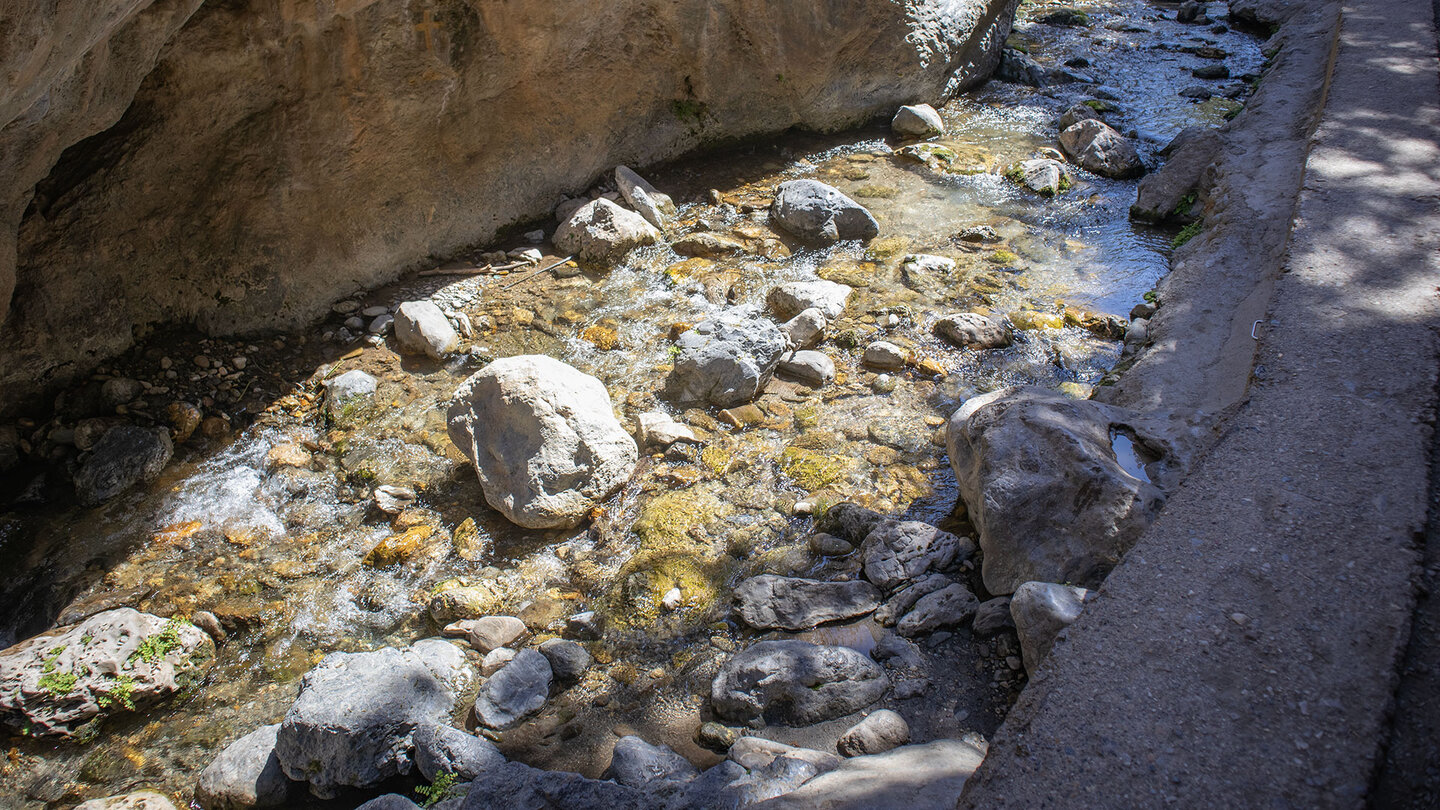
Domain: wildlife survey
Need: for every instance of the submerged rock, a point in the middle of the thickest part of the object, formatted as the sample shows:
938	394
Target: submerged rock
140	800
796	683
601	232
568	659
726	360
768	601
1045	176
1051	500
353	723
819	213
125	456
917	121
421	328
1094	146
118	660
347	392
543	438
247	774
1041	610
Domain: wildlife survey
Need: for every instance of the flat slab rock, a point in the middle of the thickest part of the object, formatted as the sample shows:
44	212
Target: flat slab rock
768	602
795	683
55	682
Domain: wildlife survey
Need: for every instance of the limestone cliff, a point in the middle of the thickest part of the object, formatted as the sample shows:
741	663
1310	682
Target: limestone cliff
236	164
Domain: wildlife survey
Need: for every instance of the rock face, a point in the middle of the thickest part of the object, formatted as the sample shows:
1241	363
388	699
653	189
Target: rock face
543	439
767	602
423	131
601	232
118	660
819	213
246	774
796	683
726	360
354	721
1093	145
125	456
1046	489
1041	610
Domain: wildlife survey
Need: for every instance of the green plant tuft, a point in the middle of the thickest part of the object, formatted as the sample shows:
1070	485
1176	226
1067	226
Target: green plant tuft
156	647
438	791
58	684
120	692
1187	233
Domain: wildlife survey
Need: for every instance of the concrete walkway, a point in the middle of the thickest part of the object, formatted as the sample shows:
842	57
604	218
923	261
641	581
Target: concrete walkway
1245	654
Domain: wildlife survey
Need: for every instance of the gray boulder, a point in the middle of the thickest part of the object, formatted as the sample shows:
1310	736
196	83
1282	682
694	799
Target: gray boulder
1075	114
792	298
1045	176
992	616
125	456
490	632
1041	610
601	232
543	438
353	723
917	121
896	552
1045	488
1094	146
655	769
421	328
1017	68
970	330
1176	190
819	213
946	607
445	749
905	598
796	683
516	692
885	356
925	273
568	659
876	734
730	785
726	360
514	786
118	660
756	753
390	801
348	391
659	429
812	368
768	602
911	777
247	774
852	522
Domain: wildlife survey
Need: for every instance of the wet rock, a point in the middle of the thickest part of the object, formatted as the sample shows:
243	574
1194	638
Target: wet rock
829	545
905	598
568	659
876	734
390	801
124	457
896	552
514	786
353	723
1041	610
457	602
812	368
444	749
726	360
140	800
1068	17
886	356
906	778
495	660
543	438
805	330
1094	146
819	213
1017	68
655	769
247	774
992	616
924	273
659	429
118	660
351	390
601	232
1044	486
1211	72
1075	114
971	330
1199	92
514	693
1189	12
393	500
207	621
917	121
796	683
946	607
978	234
852	522
767	602
1175	191
421	328
1045	176
716	737
584	626
790	299
706	245
491	632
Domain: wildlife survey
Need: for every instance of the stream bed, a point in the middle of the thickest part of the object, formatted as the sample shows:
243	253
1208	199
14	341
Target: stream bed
264	517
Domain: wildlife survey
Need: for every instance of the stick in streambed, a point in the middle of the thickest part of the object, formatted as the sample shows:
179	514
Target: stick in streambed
472	271
544	269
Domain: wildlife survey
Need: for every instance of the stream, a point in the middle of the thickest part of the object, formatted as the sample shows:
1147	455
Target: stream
268	525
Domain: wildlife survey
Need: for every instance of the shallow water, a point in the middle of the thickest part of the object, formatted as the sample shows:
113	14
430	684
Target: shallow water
278	551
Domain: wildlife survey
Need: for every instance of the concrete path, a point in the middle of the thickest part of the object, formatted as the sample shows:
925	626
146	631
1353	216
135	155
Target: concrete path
1245	654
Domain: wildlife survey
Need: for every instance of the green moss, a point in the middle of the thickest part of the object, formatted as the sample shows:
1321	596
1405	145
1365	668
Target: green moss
881	250
1099	106
636	600
689	111
668	518
876	192
153	648
1003	257
807	416
811	470
1187	233
716	459
58	684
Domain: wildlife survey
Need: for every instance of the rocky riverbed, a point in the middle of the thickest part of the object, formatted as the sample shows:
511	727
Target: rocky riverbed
724	473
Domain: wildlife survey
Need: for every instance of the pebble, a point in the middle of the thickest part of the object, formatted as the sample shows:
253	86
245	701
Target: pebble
374	312
671	599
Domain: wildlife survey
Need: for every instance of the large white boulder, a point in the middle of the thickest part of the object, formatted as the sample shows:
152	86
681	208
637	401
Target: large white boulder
601	232
543	438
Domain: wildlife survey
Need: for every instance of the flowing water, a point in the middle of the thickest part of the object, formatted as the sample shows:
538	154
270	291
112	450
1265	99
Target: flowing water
270	528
